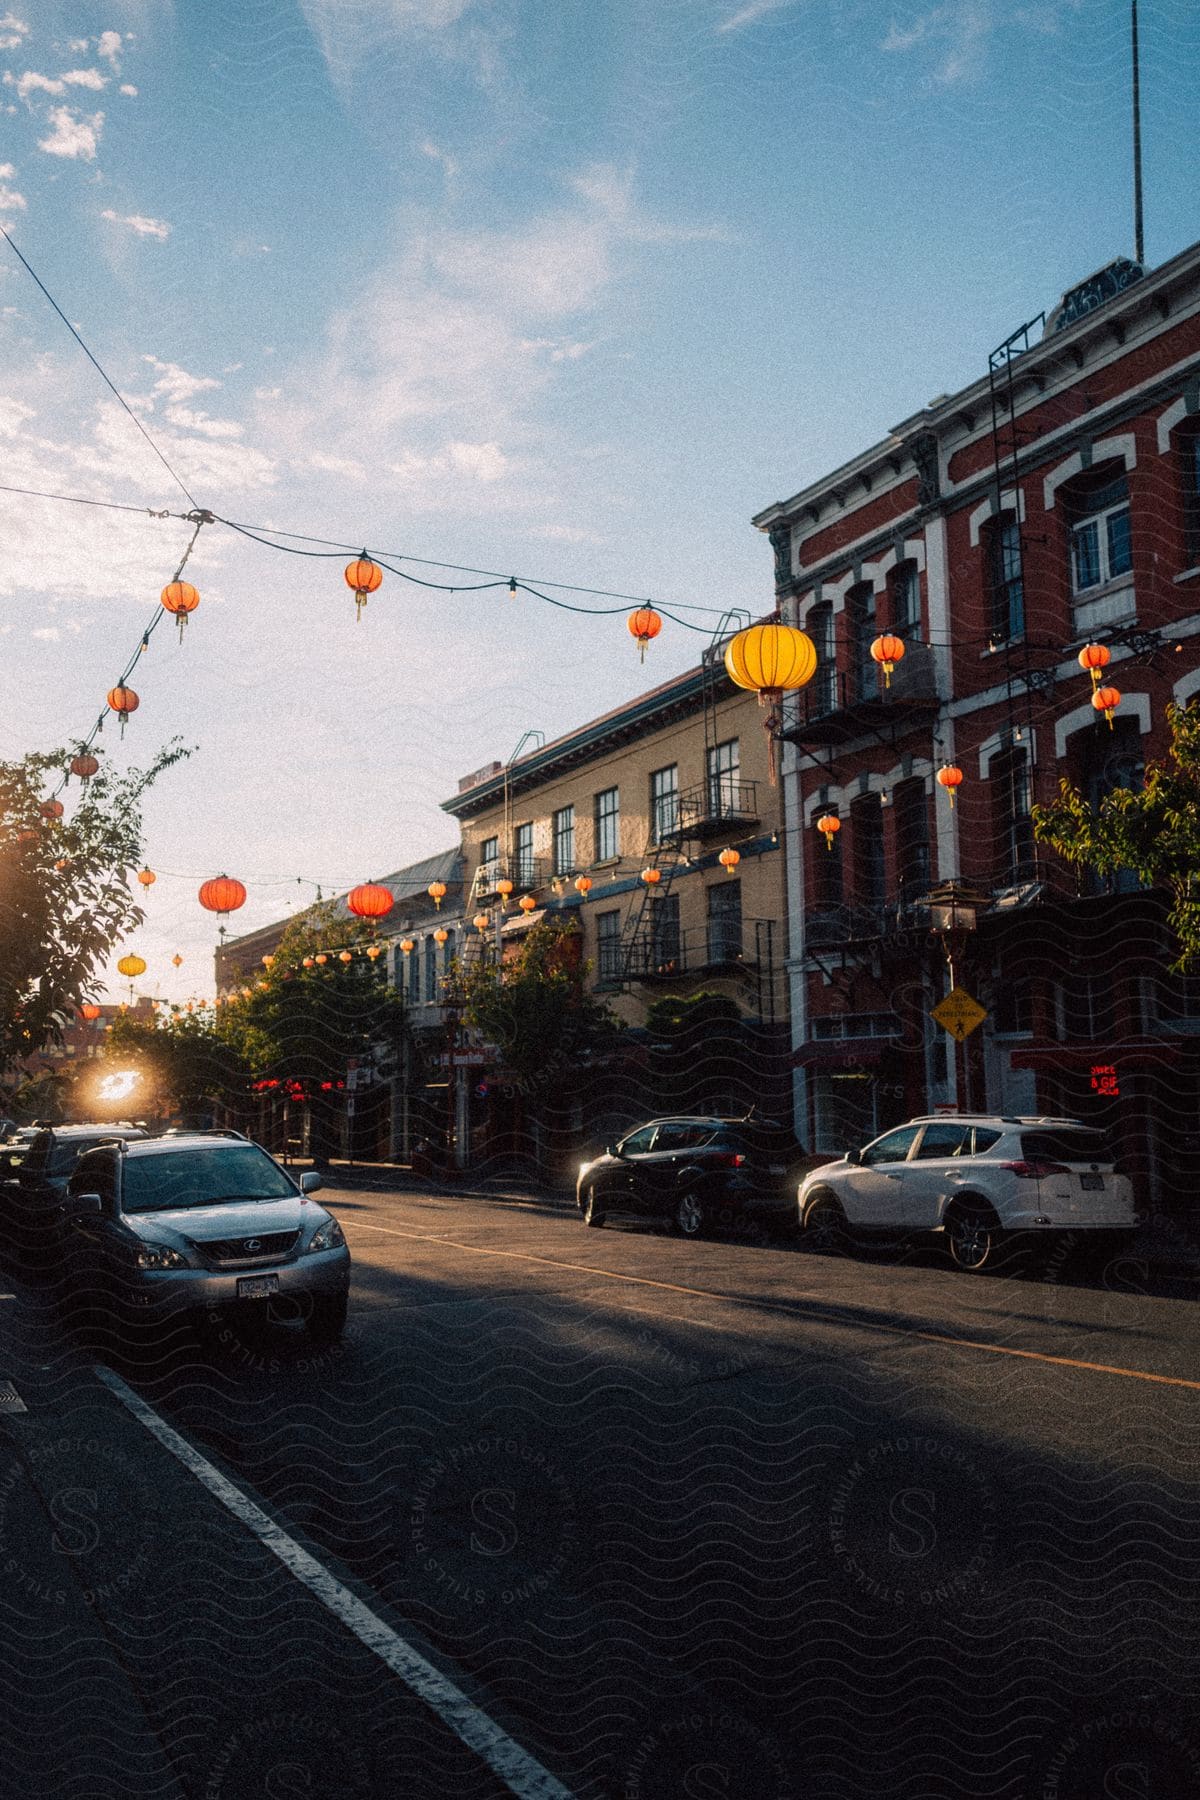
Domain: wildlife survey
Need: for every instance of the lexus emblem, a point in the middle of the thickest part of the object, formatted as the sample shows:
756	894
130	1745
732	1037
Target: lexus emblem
253	1244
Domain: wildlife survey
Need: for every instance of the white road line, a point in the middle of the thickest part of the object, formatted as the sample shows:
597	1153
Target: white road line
522	1774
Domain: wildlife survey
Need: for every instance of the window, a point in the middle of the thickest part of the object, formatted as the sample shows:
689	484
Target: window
944	1140
489	862
1100	542
725	922
860	616
398	961
826	863
824	682
1087	1007
1006	585
724	769
523	855
639	1142
910	808
675	1135
564	840
608	946
414	975
906	601
664	802
664	932
96	1174
448	953
1171	1002
1011	796
1111	759
430	968
1189	473
1013	1009
894	1146
866	817
608	824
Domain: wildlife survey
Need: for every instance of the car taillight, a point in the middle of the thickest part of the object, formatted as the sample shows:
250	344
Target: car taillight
1036	1170
729	1159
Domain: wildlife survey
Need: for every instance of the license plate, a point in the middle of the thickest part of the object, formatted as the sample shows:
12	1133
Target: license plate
1093	1183
254	1287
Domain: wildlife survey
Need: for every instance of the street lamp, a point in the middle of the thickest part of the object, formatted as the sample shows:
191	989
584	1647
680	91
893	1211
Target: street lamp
954	912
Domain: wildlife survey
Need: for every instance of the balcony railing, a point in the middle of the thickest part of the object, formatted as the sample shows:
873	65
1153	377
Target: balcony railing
662	955
835	704
711	809
527	874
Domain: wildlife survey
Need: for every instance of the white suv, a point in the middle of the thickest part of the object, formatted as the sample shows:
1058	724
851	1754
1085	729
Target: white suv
974	1179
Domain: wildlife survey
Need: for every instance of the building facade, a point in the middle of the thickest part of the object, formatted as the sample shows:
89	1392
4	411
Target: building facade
1054	503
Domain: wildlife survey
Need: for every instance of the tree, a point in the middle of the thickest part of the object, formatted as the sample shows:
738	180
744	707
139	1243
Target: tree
537	1009
184	1060
1153	830
65	895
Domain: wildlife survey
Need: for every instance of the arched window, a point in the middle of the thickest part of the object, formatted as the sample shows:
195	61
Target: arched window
1103	761
826	865
905	596
861	625
824	682
1095	507
1012	827
1187	451
910	809
1006	586
870	886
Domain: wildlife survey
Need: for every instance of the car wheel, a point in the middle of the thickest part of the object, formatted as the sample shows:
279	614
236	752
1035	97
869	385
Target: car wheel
825	1224
972	1238
591	1209
690	1216
327	1320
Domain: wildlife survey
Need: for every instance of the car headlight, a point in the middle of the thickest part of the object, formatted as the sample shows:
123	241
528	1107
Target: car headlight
327	1237
160	1256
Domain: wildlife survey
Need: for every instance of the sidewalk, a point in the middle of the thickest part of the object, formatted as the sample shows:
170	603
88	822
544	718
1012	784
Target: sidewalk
1166	1251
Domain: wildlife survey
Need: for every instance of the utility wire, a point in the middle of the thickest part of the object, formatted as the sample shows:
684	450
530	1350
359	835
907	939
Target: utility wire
110	384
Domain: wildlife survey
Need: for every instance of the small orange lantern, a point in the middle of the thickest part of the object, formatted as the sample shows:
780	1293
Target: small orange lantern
436	891
583	885
147	877
307	963
651	877
887	651
177	960
180	598
950	776
1107	700
527	903
84	765
89	1011
829	825
124	701
370	901
222	895
481	921
504	888
441	935
407	945
374	950
364	577
51	809
729	860
321	958
346	956
1093	658
644	624
64	862
267	961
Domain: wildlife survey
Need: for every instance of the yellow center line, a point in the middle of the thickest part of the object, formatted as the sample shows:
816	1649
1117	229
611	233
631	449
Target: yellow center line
788	1310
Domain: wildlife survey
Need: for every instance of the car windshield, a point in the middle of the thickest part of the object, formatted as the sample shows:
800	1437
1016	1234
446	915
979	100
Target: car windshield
1065	1144
208	1177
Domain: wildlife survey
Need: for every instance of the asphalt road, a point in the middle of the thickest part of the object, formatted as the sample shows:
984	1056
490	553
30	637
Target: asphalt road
718	1519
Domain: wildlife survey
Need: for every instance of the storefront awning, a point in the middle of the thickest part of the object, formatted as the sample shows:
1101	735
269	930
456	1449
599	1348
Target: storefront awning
840	1053
1133	1053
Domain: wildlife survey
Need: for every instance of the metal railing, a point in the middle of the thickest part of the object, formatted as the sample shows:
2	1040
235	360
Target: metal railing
712	806
661	955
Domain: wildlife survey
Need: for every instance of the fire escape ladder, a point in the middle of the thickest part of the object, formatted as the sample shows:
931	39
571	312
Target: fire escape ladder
637	938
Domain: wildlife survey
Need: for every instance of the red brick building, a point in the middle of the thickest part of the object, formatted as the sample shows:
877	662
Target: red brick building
1052	504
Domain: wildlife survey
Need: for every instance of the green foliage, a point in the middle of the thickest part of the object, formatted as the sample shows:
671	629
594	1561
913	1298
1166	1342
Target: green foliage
65	894
183	1057
1153	830
306	1025
537	1010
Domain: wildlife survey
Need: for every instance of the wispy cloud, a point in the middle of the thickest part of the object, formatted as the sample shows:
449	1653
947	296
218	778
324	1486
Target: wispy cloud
72	134
139	223
959	33
749	15
12	30
108	45
85	78
10	199
33	83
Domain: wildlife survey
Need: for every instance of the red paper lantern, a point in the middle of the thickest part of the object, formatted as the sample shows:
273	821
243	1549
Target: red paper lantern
147	877
364	577
950	776
84	765
644	624
124	701
180	598
346	956
583	885
887	651
1106	700
370	901
51	809
729	860
89	1011
222	895
651	877
527	903
1093	658
829	825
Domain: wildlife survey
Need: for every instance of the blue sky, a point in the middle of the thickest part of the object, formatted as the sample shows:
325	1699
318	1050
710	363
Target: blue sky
527	285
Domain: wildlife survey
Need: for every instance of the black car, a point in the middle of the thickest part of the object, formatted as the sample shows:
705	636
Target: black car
695	1173
32	1204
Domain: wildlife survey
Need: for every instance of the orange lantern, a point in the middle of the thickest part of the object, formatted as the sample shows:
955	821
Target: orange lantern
950	776
1093	658
177	959
407	945
583	885
64	862
504	888
527	903
222	895
84	765
124	701
345	956
321	958
441	935
89	1011
729	860
887	651
147	877
51	809
267	961
651	877
374	950
644	624
1107	700
370	901
307	963
481	921
829	825
180	598
364	577
436	891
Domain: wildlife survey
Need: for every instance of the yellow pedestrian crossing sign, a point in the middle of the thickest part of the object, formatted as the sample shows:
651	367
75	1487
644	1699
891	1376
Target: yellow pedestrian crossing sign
959	1013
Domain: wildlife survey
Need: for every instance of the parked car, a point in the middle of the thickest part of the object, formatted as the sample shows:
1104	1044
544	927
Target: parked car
974	1181
32	1205
694	1172
171	1226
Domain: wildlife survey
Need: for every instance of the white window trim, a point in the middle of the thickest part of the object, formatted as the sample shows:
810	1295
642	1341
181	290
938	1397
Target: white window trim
1132	706
1110	449
1010	502
1107	578
1001	741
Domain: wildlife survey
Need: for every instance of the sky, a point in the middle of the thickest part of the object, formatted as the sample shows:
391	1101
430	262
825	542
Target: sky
561	290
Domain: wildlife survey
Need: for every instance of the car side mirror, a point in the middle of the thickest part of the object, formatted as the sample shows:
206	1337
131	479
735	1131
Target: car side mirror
612	1150
854	1156
310	1181
83	1206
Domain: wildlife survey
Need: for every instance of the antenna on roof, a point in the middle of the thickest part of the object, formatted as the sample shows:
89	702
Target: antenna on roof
1139	256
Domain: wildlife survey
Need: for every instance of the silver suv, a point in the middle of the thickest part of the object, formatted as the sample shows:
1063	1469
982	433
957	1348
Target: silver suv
185	1224
974	1180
